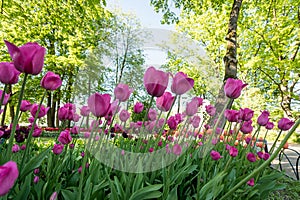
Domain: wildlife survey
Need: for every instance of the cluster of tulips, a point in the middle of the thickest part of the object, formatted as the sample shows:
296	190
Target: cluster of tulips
173	135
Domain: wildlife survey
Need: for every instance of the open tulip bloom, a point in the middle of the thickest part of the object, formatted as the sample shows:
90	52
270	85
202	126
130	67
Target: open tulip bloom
160	152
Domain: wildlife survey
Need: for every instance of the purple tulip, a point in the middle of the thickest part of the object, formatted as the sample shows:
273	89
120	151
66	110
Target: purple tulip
25	105
6	97
285	124
51	81
58	148
8	73
172	123
165	102
36	179
42	113
211	110
53	196
152	114
181	83
28	58
192	107
67	112
251	157
215	155
246	114
124	115
75	130
269	125
8	174
85	111
196	121
122	92
65	137
233	88
251	182
99	104
233	151
155	81
37	132
200	101
36	171
232	115
177	149
247	127
138	107
263	119
15	148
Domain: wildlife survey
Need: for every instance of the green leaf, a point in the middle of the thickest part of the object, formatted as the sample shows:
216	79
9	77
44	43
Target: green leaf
34	163
69	195
25	189
148	192
173	194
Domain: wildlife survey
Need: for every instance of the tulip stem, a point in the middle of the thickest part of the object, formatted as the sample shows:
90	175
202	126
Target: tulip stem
3	95
274	144
146	114
15	121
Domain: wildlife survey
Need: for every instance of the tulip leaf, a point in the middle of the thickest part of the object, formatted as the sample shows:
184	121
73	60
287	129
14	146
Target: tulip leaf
69	195
148	192
25	189
173	194
34	163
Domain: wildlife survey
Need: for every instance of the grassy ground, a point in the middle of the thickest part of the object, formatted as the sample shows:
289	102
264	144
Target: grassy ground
291	191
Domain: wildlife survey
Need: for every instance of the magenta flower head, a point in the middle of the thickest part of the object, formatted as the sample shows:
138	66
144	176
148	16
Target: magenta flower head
138	107
85	111
37	132
8	73
233	151
58	148
8	174
172	123
251	182
196	121
155	81
51	81
211	110
25	105
165	102
122	92
246	114
6	97
28	58
42	113
263	119
215	155
200	101
251	157
177	149
269	125
152	114
181	83
247	127
192	107
99	104
285	124
232	115
233	88
15	148
124	115
65	137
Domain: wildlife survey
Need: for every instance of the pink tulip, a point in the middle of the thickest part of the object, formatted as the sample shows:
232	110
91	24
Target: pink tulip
247	127
200	101
211	110
151	149
25	105
58	148
99	104
266	156
124	115
233	151
246	114
233	88
51	81
215	155
251	182
263	119
152	114
28	58
8	73
37	132
36	171
177	149
232	115
251	157
165	102
181	83
36	179
15	148
23	147
269	125
85	111
122	92
8	174
285	124
67	112
138	107
65	137
53	196
196	121
75	130
192	107
42	113
172	123
155	81
6	97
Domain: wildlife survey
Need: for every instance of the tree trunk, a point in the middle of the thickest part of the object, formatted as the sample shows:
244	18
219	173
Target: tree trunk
50	122
230	60
57	107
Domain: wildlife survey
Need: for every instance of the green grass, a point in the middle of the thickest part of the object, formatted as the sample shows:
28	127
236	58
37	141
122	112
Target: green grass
291	191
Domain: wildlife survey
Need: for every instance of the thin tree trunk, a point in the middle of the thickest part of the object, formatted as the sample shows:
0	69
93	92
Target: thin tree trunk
230	60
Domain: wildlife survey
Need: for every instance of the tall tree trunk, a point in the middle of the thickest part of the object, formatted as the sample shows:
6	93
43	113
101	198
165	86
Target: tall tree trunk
11	106
50	122
57	106
230	60
286	99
